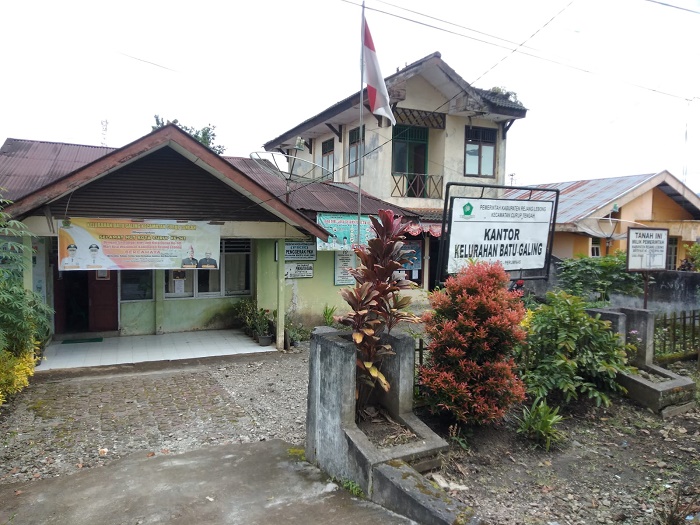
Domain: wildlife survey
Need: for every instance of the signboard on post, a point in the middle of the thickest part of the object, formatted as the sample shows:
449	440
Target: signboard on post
512	232
646	249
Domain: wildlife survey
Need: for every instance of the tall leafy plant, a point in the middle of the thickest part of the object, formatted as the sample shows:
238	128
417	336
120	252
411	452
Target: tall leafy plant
569	354
375	301
24	317
473	329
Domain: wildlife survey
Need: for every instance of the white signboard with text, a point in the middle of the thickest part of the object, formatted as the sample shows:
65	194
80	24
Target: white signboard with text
646	249
344	260
512	232
298	270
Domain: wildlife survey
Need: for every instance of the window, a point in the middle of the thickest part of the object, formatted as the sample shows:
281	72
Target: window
672	253
136	285
356	152
480	152
410	158
327	155
231	278
595	247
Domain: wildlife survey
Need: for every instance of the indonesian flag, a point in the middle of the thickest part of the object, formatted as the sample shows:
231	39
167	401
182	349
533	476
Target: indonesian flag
376	88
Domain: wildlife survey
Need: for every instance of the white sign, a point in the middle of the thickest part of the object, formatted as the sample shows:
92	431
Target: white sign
343	261
646	249
300	250
512	232
298	270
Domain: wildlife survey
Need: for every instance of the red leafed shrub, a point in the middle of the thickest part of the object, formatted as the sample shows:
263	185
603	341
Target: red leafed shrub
473	329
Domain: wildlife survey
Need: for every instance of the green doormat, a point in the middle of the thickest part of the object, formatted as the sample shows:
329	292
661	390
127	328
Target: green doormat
71	341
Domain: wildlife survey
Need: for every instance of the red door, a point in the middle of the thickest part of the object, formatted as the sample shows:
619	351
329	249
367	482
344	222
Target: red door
103	300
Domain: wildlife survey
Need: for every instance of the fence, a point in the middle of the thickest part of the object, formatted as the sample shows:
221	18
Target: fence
676	334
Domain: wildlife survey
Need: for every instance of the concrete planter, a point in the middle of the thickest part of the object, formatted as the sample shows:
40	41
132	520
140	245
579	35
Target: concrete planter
338	446
667	398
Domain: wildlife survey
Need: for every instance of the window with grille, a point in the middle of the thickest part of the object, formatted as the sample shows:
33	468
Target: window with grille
356	152
672	253
410	157
480	152
231	278
595	247
327	161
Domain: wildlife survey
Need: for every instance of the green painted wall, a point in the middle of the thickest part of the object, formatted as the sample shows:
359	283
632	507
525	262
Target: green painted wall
138	318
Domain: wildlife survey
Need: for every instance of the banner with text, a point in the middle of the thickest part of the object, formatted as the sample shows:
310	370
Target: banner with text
116	244
512	232
343	230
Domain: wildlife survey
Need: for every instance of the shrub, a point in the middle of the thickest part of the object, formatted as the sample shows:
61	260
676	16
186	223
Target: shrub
568	353
595	278
539	424
375	301
15	372
473	328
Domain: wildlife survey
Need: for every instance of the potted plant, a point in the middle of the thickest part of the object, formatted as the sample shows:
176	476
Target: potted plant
375	302
261	326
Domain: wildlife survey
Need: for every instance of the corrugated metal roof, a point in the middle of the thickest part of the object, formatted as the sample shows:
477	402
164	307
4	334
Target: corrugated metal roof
328	197
579	199
28	165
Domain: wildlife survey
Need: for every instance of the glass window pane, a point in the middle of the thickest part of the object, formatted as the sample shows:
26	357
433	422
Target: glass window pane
471	159
352	166
400	157
236	273
179	283
488	158
208	281
136	285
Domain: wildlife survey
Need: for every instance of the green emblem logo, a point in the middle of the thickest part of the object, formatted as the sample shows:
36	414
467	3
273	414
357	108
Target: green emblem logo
468	209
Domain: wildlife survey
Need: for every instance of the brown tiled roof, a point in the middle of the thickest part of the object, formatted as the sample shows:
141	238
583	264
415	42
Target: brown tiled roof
28	165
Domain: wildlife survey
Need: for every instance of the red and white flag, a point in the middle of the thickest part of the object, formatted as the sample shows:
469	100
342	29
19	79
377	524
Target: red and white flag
376	88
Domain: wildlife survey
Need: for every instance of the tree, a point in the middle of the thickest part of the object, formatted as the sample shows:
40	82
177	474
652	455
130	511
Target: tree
24	317
206	135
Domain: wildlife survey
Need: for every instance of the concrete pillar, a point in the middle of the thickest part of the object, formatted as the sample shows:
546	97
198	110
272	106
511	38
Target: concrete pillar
159	299
281	301
643	322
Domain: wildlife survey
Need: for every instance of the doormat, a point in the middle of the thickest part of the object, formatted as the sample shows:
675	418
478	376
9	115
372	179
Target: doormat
71	341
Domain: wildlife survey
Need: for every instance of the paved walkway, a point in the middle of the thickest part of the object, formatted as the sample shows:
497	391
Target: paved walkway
143	348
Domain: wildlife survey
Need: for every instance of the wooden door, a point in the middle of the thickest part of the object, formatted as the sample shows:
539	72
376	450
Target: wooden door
104	301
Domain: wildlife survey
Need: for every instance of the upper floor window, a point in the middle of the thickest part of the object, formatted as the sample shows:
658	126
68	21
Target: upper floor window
480	152
327	155
356	152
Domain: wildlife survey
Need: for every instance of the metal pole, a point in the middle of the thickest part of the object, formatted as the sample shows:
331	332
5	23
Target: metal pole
360	154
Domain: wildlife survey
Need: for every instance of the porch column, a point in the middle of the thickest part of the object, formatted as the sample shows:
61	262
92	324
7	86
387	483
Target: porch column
281	303
159	298
27	267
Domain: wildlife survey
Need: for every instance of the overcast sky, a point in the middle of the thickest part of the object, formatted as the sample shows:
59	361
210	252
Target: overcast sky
612	87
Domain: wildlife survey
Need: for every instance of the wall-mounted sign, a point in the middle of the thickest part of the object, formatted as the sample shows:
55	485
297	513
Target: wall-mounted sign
343	262
300	250
343	230
646	249
512	232
298	270
114	244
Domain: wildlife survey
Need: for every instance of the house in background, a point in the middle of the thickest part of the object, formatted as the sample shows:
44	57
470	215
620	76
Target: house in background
447	131
168	180
593	215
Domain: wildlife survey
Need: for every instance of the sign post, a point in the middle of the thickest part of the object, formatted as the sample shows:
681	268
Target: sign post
646	252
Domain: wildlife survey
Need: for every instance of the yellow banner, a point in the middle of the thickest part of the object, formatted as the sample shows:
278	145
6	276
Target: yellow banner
121	244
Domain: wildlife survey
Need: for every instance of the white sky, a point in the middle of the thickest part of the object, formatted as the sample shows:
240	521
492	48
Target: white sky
255	69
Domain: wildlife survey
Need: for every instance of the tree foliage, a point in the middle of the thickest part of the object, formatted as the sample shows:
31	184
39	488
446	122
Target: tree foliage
206	135
473	328
595	278
24	317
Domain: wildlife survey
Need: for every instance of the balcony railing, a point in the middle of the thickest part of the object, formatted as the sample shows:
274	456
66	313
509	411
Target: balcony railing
419	185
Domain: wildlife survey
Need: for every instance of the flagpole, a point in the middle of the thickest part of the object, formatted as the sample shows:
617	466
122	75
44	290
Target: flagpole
360	153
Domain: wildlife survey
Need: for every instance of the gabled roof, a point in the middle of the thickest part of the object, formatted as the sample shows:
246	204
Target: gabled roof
34	173
50	184
594	198
442	77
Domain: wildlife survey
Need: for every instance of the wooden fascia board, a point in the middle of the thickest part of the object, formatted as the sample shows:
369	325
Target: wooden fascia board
190	149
